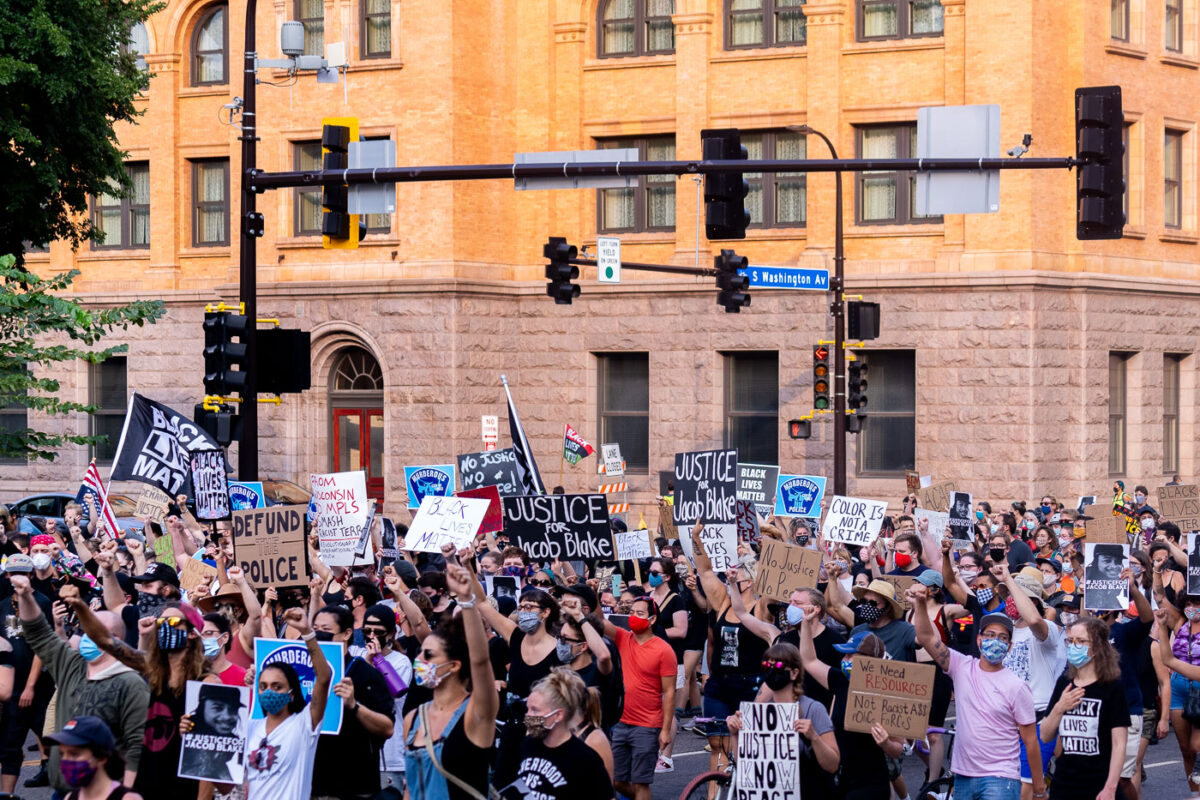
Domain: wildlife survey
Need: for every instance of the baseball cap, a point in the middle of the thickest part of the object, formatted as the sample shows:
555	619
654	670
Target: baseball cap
158	572
989	619
89	732
584	593
931	578
1054	563
851	646
18	564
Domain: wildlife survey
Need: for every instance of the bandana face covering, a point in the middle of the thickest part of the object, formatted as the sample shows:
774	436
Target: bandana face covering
1010	608
77	773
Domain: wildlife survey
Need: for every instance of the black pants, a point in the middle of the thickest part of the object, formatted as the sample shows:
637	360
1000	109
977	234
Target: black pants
18	722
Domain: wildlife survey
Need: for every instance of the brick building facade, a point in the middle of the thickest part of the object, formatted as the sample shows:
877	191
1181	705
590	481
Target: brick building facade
1013	358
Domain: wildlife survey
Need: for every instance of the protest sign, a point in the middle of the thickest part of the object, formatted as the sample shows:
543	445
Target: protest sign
295	652
565	527
503	586
445	520
210	486
937	496
388	551
912	481
799	495
1103	589
1085	501
213	750
768	752
1180	504
894	694
436	481
853	521
783	568
491	468
246	494
364	536
756	483
1193	573
152	504
900	583
1106	529
961	524
341	512
164	550
493	520
632	545
268	544
195	573
155	445
614	465
706	491
747	521
939	522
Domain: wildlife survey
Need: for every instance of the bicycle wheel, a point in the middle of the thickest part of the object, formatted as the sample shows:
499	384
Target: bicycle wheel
709	785
941	789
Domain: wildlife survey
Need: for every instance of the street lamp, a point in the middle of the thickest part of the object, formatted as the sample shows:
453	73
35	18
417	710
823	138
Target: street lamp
836	310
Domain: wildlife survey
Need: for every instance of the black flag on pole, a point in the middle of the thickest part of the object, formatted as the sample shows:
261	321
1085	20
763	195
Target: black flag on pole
156	446
527	469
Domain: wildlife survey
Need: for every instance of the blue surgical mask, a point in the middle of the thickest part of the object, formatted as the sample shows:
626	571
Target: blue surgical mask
89	649
795	615
212	647
979	515
993	650
1078	655
656	579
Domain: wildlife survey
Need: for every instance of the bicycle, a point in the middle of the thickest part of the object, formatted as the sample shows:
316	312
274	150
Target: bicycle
719	784
943	787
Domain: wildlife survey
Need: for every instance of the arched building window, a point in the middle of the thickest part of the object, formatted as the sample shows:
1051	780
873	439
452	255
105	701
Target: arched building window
139	44
356	416
210	47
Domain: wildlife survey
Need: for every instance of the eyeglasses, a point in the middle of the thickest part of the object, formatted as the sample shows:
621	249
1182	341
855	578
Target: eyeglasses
529	607
174	622
570	641
1077	641
541	584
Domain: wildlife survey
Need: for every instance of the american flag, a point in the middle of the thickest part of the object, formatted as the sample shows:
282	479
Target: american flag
91	479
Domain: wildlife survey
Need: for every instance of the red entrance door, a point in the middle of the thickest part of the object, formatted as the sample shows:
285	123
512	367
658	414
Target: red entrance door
358	444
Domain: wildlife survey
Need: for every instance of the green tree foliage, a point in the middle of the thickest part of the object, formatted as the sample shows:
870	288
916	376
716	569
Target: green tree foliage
40	332
66	77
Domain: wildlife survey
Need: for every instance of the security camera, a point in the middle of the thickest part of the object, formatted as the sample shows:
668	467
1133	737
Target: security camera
291	38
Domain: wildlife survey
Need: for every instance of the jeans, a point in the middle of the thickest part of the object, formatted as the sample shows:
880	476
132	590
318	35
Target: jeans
986	788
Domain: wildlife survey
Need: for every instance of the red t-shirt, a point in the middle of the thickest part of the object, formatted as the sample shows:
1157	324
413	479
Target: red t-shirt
644	666
233	676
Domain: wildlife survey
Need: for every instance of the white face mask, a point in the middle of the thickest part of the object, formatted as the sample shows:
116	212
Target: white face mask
41	561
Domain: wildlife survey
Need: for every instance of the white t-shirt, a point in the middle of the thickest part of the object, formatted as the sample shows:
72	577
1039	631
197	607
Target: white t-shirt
391	757
279	766
1037	663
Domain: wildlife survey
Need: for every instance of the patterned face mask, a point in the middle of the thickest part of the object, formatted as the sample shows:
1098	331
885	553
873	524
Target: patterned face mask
170	638
867	612
984	595
993	650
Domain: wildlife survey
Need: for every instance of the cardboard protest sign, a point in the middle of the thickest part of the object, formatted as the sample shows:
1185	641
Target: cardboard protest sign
614	465
706	491
503	586
894	694
1103	589
493	519
747	522
769	752
1181	505
939	522
783	568
215	747
853	521
437	480
799	495
961	524
364	536
632	545
912	481
1193	573
568	527
445	520
342	510
210	487
295	652
195	573
152	503
900	583
243	495
164	550
491	468
937	496
1106	529
756	483
268	544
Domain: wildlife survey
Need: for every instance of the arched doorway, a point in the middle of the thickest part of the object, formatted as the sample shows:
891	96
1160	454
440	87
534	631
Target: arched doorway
356	406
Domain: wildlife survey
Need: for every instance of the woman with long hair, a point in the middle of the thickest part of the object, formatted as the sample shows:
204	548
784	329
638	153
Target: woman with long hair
1090	716
1181	655
587	726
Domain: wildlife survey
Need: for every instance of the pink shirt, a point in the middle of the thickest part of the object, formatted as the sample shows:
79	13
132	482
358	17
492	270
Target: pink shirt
989	706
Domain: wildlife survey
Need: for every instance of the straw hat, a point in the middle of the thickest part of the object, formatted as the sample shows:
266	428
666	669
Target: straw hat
885	590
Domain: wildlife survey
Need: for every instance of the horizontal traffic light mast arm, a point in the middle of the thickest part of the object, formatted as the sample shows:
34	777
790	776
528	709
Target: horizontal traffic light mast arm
261	181
591	262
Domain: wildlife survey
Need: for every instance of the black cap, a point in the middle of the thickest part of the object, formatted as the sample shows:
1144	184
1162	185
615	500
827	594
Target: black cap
584	593
1054	563
384	615
89	732
158	572
230	695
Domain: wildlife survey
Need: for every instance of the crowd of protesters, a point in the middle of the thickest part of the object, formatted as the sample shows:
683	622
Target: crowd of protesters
582	682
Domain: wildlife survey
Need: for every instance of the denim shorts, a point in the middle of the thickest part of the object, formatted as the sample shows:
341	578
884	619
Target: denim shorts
968	788
1047	749
1179	691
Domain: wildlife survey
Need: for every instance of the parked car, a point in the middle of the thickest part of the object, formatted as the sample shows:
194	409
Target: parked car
51	505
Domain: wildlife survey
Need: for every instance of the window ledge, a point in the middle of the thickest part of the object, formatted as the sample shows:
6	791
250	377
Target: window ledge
1180	60
205	91
310	242
645	237
376	64
891	231
1125	49
214	251
115	254
895	46
761	54
628	62
1179	237
1133	232
776	234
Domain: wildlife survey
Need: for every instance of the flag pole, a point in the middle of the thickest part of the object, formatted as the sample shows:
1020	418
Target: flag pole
563	454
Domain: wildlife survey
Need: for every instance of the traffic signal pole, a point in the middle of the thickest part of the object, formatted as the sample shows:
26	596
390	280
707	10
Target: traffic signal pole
248	265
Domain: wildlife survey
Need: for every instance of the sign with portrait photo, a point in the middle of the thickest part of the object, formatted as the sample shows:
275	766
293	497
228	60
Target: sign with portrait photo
961	522
213	749
1103	588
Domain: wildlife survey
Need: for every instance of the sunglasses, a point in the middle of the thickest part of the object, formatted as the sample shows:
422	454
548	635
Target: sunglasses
543	584
174	622
377	632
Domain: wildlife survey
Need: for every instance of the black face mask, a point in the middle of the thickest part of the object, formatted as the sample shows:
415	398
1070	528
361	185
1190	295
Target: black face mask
997	554
776	679
324	636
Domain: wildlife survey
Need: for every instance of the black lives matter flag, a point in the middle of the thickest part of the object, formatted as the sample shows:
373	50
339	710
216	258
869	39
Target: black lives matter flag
156	446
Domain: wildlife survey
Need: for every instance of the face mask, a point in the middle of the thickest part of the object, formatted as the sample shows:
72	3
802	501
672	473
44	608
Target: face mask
1068	568
1192	613
1141	499
89	649
1069	618
1048	581
776	679
1028	524
984	595
1045	509
171	639
149	605
273	702
41	561
77	773
867	612
564	651
1077	654
212	647
528	621
979	515
997	554
1148	524
1010	608
639	624
1137	569
536	727
1057	530
993	650
514	572
655	579
903	560
426	674
323	636
968	575
794	615
994	528
846	665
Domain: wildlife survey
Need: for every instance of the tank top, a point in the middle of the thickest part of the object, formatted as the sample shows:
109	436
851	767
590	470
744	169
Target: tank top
522	676
737	650
116	794
1186	647
457	754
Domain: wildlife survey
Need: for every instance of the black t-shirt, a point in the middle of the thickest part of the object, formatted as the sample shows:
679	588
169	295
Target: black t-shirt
158	768
14	634
666	618
571	770
863	763
823	643
1085	736
348	764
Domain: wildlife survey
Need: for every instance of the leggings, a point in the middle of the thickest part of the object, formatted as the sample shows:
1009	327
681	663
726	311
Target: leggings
18	722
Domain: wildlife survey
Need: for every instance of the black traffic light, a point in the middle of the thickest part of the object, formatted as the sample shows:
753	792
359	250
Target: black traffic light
560	271
282	360
222	353
224	426
862	321
725	215
856	386
821	378
733	286
1100	177
800	428
339	228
